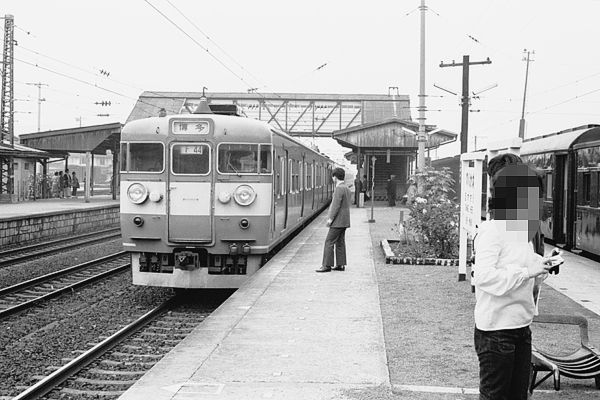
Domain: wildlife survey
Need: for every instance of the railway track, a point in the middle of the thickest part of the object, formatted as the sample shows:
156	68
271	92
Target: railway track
25	253
111	366
29	293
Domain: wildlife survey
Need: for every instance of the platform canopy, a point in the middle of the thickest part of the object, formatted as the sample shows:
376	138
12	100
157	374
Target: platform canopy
20	151
96	139
392	133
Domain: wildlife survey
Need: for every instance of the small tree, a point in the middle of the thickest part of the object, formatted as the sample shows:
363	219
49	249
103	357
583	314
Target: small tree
434	215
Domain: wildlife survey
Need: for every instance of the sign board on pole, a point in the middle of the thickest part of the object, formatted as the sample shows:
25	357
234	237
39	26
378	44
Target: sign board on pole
470	204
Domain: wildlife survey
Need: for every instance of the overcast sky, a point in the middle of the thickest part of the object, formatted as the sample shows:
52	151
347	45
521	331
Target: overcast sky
277	46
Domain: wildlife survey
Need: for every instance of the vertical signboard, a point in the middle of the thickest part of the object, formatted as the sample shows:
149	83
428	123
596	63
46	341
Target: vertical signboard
470	204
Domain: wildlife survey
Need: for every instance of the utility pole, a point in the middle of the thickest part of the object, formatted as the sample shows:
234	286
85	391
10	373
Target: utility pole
40	99
7	107
522	121
464	125
421	135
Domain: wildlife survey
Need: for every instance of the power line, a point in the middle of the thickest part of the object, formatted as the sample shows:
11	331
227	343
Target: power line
86	82
211	40
197	43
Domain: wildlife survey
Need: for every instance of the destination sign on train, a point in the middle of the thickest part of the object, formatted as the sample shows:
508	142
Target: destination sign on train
191	127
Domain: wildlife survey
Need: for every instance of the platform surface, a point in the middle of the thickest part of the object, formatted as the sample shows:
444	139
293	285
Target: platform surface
579	279
44	206
289	333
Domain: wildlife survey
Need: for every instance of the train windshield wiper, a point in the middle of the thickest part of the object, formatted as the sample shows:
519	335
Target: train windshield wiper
234	169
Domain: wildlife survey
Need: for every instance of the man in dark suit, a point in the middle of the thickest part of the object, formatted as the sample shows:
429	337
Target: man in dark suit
338	219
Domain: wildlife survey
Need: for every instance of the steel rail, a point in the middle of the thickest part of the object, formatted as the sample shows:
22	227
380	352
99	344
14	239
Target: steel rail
52	275
29	303
50	382
101	235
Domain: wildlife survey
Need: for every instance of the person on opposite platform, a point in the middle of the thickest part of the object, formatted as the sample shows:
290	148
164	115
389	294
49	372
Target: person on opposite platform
338	220
504	274
74	184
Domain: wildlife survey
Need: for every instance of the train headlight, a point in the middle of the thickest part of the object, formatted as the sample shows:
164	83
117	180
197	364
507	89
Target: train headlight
155	197
137	193
244	195
224	197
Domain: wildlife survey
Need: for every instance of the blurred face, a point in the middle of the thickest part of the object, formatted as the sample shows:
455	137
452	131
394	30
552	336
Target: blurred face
517	201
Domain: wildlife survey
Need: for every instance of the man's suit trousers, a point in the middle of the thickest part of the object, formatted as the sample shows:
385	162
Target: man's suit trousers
335	238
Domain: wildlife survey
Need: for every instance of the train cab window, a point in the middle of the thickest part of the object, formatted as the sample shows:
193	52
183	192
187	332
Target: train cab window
190	158
245	158
142	157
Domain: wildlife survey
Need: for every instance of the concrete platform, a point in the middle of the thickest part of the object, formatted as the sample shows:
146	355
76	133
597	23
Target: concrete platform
289	333
578	279
45	206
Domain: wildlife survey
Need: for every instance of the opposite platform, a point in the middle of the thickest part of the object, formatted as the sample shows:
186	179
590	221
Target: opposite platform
46	206
288	333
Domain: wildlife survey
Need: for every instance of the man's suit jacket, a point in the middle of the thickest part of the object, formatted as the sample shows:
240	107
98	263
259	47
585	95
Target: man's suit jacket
339	210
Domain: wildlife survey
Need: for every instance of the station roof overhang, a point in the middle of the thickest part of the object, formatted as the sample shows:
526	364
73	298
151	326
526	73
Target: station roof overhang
96	139
393	133
20	151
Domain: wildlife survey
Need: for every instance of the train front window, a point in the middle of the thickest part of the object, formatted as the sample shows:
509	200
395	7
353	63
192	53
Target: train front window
191	158
143	157
244	158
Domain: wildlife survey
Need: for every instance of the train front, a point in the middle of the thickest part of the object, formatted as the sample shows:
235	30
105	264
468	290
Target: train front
196	199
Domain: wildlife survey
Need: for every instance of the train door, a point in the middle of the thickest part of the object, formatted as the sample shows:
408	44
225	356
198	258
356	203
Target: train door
189	218
559	213
302	184
286	182
313	171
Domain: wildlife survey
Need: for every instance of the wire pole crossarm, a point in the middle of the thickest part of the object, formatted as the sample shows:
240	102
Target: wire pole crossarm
465	99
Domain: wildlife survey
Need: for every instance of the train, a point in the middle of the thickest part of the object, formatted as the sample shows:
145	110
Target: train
569	163
206	197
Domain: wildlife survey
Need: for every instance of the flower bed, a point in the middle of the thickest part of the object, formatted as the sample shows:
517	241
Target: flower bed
393	257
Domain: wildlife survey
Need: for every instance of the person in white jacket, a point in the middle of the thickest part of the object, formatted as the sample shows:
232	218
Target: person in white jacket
504	274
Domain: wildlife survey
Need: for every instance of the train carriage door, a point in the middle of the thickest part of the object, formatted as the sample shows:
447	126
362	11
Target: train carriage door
286	172
190	193
302	183
559	212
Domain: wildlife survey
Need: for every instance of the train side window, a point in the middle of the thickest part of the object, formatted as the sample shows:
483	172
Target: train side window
587	180
278	177
283	175
266	163
290	176
549	187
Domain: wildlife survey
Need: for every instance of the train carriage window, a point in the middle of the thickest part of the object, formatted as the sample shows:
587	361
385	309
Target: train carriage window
190	158
587	180
145	157
549	186
290	176
282	172
266	161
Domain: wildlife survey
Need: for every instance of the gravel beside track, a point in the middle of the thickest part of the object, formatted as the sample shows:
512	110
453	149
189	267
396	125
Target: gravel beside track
16	273
32	341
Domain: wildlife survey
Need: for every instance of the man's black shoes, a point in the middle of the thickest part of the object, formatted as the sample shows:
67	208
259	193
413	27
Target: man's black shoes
339	268
323	269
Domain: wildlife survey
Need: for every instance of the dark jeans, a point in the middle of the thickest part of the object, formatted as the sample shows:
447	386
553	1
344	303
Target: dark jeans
336	237
504	363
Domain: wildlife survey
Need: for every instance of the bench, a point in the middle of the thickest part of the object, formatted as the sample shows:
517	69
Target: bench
582	364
